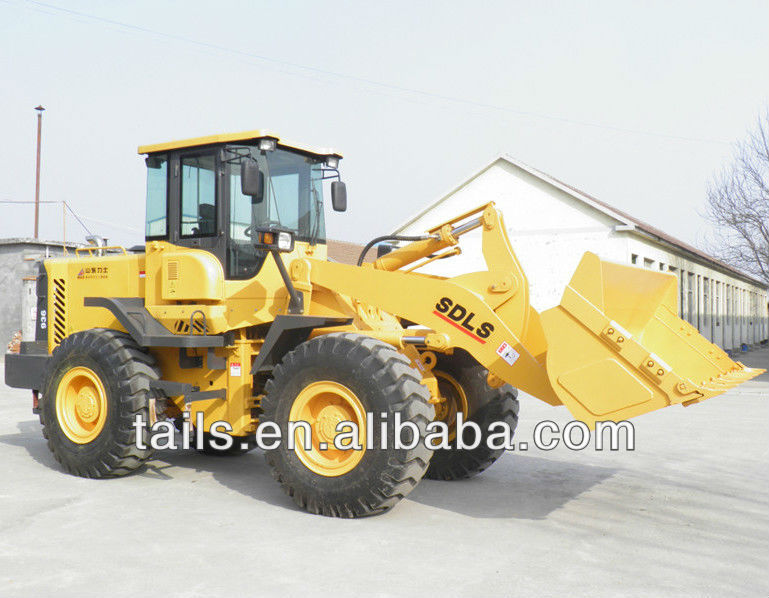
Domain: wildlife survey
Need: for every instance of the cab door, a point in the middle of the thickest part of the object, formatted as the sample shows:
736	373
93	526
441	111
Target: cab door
196	208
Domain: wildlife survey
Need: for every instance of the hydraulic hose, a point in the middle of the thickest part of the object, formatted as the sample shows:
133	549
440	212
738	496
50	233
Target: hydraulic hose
376	240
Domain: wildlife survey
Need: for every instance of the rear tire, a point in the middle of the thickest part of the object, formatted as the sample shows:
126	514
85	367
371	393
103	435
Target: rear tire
485	404
358	374
96	383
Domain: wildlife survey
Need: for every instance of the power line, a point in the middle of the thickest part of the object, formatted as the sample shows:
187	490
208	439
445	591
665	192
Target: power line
50	201
77	216
129	229
71	211
354	78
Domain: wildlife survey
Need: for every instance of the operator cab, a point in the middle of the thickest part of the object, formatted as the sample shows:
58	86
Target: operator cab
239	196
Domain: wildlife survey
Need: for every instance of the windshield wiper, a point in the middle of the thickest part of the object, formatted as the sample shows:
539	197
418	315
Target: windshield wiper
315	226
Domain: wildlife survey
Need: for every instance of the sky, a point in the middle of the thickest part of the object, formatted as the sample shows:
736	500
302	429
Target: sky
636	103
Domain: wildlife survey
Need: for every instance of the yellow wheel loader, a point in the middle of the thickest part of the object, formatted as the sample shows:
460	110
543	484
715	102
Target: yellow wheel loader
232	317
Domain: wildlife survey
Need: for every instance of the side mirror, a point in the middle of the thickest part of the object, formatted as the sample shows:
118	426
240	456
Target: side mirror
338	196
251	180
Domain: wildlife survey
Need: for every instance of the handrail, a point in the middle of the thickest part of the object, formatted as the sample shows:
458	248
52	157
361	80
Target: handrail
100	250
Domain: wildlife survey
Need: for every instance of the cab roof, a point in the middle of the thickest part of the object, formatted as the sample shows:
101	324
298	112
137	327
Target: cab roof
233	137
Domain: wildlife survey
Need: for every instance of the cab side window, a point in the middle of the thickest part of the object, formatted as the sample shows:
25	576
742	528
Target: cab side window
198	190
157	197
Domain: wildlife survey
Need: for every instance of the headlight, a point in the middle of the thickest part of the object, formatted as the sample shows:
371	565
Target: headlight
268	144
332	162
285	242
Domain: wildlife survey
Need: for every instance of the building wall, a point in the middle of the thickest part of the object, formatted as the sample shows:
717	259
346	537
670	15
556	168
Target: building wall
726	309
550	230
17	261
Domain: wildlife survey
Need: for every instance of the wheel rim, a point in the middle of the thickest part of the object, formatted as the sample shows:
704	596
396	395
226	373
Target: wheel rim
323	405
81	405
455	400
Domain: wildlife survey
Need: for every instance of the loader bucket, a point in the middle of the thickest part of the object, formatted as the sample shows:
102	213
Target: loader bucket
617	348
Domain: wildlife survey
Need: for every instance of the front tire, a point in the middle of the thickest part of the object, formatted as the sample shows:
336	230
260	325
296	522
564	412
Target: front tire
96	383
343	377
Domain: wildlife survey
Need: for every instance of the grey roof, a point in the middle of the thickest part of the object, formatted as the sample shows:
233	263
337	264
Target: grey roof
38	242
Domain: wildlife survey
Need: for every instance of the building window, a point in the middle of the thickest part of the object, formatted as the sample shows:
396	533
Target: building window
729	322
706	303
634	259
697	299
690	298
717	310
648	263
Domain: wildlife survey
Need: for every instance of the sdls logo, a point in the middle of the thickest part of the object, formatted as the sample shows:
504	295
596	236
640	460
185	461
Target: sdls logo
460	317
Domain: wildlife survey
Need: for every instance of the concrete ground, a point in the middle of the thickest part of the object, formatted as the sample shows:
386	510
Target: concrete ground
685	514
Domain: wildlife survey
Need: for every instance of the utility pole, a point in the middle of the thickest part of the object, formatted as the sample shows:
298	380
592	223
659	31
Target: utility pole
37	171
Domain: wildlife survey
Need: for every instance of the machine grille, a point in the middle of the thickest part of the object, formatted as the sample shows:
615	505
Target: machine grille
173	270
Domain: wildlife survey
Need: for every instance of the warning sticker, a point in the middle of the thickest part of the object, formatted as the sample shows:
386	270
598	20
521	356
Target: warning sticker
235	369
506	352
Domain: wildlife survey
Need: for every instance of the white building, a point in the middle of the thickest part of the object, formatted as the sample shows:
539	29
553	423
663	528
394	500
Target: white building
551	225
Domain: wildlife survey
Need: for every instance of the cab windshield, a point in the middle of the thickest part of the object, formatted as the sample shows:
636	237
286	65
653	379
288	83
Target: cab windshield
293	199
293	195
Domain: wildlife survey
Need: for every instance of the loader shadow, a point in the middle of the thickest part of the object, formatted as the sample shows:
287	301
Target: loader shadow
246	474
30	438
515	487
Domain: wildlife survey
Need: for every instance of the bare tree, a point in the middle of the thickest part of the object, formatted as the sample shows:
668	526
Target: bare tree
738	204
